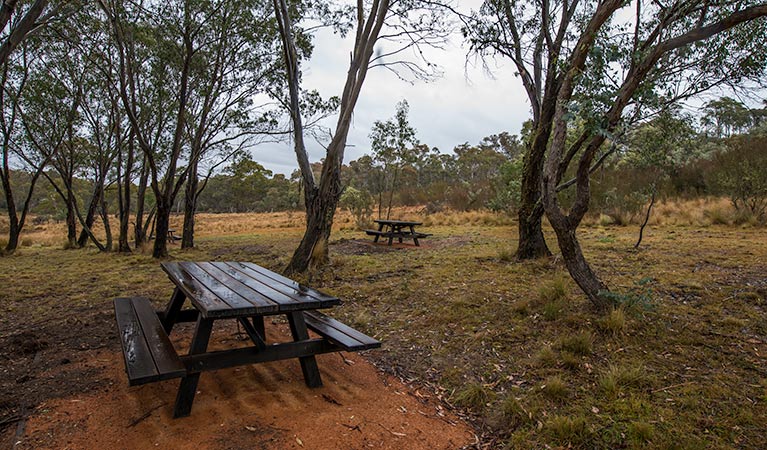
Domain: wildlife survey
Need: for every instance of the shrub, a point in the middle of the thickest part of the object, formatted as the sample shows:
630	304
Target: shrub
359	203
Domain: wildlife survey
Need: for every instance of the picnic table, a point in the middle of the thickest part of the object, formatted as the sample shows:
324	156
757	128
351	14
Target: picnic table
397	229
240	291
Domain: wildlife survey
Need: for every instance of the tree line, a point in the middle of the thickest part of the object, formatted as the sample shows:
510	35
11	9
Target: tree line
154	99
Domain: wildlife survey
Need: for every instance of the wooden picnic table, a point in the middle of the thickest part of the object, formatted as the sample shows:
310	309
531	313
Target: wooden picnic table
239	291
397	229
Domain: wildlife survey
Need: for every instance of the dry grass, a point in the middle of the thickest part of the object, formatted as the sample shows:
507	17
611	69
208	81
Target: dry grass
684	370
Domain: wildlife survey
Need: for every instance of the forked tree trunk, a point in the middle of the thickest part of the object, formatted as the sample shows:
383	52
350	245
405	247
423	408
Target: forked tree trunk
90	215
14	231
71	221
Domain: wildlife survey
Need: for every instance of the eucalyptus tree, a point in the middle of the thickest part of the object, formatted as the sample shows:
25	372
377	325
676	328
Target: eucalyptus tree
394	144
155	51
618	66
16	157
540	38
383	30
51	117
237	60
18	20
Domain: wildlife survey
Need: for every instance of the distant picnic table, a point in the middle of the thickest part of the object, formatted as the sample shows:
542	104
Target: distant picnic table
397	229
240	291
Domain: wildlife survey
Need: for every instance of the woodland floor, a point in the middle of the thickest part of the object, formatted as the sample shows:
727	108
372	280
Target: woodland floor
469	336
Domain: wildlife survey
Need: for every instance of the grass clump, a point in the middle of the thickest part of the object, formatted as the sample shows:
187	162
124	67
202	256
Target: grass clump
473	396
580	344
547	357
506	255
614	322
618	378
640	433
554	388
554	290
569	431
510	414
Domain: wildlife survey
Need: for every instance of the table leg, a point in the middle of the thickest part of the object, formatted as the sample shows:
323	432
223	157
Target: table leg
380	228
415	236
188	387
308	363
392	230
258	324
172	310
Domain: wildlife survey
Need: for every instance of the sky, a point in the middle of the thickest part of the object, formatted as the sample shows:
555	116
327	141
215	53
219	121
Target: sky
464	105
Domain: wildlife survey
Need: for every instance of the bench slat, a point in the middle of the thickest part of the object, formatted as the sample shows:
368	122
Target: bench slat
138	359
340	334
149	354
165	357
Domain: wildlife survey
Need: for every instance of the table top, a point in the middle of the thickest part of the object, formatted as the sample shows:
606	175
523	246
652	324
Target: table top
241	289
397	222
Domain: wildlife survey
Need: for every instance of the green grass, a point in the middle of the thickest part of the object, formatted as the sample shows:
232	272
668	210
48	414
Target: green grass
689	372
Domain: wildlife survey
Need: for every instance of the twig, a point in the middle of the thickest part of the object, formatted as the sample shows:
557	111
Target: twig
9	420
145	415
355	427
672	386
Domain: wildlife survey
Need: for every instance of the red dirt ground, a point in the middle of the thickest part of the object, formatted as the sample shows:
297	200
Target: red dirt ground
265	406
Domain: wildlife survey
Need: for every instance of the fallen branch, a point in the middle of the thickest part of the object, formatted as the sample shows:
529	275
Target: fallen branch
145	415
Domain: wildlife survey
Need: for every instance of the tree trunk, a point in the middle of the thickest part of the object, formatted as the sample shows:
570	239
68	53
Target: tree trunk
531	244
124	190
71	220
313	249
190	207
139	227
579	268
161	226
14	231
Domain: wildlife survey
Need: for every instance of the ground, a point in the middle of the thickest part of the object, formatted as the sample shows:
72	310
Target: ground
513	347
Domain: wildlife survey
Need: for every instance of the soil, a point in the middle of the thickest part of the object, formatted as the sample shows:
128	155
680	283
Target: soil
78	398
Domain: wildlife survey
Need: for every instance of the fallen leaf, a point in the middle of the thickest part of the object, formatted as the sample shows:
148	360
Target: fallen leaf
249	428
300	442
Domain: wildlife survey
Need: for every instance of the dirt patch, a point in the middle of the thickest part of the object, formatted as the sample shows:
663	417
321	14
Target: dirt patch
264	406
365	247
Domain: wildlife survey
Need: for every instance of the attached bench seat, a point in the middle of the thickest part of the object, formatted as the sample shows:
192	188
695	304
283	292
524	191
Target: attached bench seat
338	333
149	354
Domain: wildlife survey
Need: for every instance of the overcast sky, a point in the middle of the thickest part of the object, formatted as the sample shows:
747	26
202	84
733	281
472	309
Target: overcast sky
464	105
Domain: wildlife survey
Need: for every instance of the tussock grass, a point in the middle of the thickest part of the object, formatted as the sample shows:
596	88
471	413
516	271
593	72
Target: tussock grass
614	322
569	431
474	396
554	388
620	378
580	343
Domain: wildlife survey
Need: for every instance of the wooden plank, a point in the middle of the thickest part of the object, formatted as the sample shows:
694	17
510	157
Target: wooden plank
323	322
247	291
164	355
237	305
139	364
252	355
288	286
283	301
206	302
